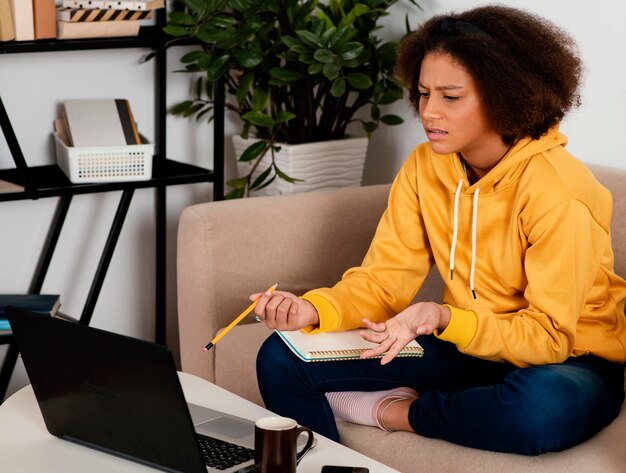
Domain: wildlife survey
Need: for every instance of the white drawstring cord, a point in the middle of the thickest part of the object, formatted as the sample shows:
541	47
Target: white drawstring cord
474	224
455	228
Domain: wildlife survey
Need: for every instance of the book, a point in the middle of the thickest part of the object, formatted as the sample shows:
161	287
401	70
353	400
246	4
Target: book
44	19
83	14
7	31
23	20
60	126
100	122
97	29
332	346
115	4
44	304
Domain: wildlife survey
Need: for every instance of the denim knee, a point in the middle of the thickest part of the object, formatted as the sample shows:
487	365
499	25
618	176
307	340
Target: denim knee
273	364
558	406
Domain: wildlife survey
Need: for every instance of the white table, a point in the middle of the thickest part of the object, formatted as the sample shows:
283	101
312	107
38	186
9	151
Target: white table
26	446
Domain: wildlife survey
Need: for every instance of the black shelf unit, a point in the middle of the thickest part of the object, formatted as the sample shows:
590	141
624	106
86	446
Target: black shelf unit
50	181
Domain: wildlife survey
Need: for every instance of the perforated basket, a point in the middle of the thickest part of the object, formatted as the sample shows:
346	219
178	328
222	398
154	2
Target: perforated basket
105	163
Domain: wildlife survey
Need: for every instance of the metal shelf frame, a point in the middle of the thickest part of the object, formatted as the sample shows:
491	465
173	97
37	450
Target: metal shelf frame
49	181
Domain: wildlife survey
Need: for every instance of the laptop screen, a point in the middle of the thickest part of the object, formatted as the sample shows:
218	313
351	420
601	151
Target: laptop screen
108	391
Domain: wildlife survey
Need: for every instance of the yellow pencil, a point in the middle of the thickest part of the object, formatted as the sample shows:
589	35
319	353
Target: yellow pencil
239	318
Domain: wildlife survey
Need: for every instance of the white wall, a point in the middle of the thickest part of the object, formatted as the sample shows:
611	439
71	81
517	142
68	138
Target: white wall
592	129
33	84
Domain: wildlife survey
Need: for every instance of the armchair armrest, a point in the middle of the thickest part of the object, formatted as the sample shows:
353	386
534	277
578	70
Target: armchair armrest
230	249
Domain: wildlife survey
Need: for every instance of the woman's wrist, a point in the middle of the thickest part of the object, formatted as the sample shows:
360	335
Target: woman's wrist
444	317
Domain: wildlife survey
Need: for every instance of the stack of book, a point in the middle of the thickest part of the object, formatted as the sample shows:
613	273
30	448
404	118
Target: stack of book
26	20
97	122
44	304
103	18
97	140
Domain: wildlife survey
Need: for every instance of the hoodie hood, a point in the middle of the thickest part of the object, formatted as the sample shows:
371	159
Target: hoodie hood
506	172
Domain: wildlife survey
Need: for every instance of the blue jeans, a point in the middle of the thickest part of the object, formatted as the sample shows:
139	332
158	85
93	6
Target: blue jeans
463	399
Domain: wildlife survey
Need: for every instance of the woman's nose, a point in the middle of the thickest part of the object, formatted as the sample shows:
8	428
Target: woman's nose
429	108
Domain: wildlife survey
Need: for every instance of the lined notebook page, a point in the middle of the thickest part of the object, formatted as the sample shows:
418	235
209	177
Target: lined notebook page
329	346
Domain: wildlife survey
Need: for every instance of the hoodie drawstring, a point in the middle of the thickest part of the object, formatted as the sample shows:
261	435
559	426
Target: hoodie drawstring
455	228
474	224
455	232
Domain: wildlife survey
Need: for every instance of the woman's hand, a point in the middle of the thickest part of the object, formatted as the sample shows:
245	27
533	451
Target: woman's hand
393	335
284	311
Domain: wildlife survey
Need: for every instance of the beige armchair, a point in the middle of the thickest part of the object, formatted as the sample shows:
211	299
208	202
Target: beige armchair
228	250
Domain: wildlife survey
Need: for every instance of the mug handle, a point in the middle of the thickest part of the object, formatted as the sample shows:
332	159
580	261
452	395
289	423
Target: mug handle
309	442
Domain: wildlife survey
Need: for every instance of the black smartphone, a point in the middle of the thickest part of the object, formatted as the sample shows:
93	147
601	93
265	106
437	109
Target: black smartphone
344	469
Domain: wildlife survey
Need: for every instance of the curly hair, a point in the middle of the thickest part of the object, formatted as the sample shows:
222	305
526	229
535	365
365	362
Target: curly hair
527	70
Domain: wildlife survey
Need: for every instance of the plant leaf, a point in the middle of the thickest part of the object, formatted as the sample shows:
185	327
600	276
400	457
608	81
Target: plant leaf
331	71
358	10
359	80
248	58
284	116
391	96
238	183
267	183
182	18
339	87
285	177
223	21
369	127
290	41
286	75
260	98
342	35
217	67
315	68
324	55
309	38
260	178
375	112
195	5
235	194
254	151
328	34
177	31
391	119
350	50
192	56
244	86
181	107
259	119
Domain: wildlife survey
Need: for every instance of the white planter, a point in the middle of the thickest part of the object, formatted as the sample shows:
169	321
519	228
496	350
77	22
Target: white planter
321	165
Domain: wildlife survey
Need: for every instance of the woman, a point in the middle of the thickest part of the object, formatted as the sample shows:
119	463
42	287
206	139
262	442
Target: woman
525	354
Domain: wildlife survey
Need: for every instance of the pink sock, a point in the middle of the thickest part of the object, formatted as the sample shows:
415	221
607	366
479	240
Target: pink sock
361	407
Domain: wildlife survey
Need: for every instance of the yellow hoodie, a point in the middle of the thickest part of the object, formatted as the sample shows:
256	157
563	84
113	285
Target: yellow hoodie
542	268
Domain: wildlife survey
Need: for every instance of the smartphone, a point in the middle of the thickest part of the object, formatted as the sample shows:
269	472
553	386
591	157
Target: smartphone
344	469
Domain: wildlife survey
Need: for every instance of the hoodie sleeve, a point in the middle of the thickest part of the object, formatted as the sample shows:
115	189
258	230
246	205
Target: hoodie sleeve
392	271
562	262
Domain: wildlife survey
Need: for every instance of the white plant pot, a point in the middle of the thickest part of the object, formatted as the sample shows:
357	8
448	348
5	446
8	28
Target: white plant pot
321	165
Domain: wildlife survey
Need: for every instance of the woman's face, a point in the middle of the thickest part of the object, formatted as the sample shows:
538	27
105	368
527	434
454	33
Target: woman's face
453	115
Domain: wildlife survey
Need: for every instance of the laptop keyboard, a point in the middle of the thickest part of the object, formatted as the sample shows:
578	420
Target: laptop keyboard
221	455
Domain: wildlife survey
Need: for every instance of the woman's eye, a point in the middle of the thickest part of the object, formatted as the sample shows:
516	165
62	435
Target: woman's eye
451	98
424	94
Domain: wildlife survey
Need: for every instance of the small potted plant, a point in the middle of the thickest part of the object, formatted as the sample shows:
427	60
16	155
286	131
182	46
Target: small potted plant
295	72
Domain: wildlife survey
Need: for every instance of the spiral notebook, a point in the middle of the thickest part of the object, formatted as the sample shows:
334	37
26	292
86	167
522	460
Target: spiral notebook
332	346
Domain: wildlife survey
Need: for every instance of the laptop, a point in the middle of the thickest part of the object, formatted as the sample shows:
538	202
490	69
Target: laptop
122	396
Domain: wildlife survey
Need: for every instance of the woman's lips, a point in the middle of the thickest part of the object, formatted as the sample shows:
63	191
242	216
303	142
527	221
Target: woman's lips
435	133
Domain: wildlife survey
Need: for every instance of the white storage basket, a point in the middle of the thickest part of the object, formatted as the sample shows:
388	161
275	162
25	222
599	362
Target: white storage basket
104	163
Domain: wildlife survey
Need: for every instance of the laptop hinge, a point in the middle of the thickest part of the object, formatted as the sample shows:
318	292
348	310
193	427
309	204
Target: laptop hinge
119	454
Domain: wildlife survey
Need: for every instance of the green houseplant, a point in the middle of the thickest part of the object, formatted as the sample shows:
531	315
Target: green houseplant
295	71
